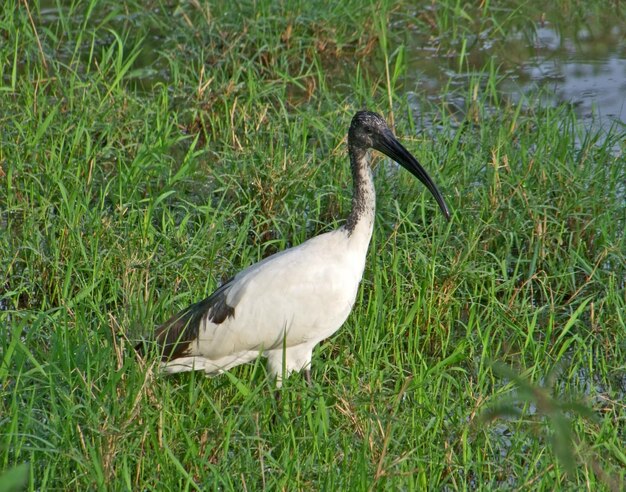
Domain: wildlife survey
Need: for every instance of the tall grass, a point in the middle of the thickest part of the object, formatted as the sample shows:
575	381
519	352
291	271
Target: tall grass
150	150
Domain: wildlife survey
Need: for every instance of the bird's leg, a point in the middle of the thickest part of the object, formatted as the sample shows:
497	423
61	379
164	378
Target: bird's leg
277	397
307	376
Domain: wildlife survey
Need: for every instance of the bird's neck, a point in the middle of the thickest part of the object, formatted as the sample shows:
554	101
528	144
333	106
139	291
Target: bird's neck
360	222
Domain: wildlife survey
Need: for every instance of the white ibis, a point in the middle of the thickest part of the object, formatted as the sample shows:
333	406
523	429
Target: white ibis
284	305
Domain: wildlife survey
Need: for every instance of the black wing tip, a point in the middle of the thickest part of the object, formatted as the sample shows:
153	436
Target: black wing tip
164	350
173	338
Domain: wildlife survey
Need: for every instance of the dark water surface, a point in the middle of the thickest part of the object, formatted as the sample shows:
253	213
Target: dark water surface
551	64
587	70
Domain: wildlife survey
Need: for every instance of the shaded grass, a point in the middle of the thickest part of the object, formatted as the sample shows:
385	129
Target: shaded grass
147	157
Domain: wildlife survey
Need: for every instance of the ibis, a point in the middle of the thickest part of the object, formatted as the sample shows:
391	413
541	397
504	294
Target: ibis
283	306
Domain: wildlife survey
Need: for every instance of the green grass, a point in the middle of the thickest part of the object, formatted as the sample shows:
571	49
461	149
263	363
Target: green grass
151	150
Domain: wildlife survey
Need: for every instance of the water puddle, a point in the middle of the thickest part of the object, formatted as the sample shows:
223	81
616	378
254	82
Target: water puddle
550	65
586	70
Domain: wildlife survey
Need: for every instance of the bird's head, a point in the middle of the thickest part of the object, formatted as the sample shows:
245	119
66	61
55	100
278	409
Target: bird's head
369	130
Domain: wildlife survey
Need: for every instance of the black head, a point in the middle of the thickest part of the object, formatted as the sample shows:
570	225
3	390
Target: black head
366	130
369	130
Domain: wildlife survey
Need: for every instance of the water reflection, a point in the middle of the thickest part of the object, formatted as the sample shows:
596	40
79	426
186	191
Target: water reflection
584	67
586	71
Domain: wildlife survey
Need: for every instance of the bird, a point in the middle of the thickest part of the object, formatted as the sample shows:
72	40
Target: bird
284	305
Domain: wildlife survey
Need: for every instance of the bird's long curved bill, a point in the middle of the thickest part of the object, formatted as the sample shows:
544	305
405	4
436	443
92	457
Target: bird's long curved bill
389	146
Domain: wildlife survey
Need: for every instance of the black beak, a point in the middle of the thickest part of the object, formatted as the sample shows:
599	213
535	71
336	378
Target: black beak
388	145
